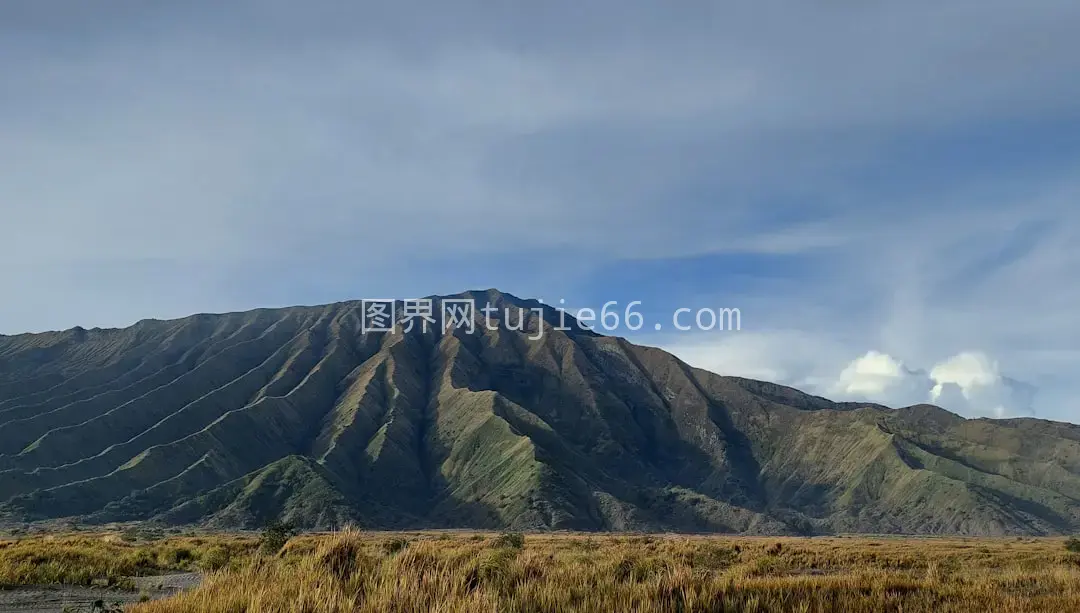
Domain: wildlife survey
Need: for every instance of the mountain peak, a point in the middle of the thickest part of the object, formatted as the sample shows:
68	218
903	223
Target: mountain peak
229	419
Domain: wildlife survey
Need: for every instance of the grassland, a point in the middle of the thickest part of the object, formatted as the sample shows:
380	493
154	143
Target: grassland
458	572
111	559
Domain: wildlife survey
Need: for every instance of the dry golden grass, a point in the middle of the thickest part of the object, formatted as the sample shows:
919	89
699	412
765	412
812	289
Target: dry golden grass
368	572
80	559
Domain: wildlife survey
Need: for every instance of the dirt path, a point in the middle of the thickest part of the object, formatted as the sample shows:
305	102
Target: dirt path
81	599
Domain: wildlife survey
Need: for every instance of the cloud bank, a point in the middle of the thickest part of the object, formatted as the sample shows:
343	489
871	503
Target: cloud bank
968	383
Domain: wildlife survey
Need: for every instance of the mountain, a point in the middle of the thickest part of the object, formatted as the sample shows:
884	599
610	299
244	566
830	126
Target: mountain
232	420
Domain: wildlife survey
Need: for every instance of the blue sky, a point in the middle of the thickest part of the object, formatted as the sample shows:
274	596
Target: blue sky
887	191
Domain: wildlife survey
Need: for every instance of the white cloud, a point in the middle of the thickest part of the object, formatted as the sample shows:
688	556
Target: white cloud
968	383
968	370
972	380
880	378
871	375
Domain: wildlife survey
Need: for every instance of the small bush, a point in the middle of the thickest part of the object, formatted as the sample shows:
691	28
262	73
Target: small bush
394	545
495	566
275	536
1073	545
513	540
215	558
176	557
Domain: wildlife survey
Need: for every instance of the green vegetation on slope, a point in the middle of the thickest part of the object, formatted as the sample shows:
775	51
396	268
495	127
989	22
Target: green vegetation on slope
229	420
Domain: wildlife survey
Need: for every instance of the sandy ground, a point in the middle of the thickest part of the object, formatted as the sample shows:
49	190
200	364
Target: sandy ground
59	598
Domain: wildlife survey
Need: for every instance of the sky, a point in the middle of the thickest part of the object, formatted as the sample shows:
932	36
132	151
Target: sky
887	191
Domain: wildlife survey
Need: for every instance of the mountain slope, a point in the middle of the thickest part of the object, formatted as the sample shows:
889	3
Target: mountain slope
233	419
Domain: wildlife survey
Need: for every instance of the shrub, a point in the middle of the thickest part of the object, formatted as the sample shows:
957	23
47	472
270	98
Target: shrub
394	545
176	556
495	566
514	540
275	536
1073	545
215	558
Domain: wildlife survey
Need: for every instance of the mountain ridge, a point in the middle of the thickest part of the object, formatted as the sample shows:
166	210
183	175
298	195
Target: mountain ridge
233	419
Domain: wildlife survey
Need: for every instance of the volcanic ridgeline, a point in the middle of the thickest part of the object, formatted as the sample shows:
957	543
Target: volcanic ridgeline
298	413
